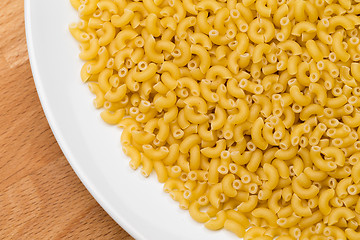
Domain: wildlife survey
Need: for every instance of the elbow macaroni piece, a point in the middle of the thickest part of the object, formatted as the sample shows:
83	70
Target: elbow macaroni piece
247	108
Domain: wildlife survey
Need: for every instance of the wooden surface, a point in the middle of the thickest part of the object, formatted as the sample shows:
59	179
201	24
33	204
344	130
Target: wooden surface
40	195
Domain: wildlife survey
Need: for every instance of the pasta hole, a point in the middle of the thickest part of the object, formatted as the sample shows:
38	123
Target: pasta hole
280	37
277	135
277	112
281	221
349	108
213	33
283	146
192	176
332	57
183	177
184	93
176	53
328	85
223	170
246	179
203	200
258	89
337	142
328	112
333	122
244	28
142	65
140	117
352	190
236	184
175	169
278	88
123	72
251	146
233	168
234	13
253	188
354	40
230	33
319	3
334	72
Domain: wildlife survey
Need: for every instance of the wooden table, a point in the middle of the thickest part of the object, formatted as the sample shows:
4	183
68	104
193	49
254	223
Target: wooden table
40	195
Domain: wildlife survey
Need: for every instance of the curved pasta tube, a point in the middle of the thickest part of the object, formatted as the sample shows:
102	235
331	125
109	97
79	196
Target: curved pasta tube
342	21
91	52
336	153
291	46
219	120
155	154
320	93
242	115
301	76
218	222
268	30
117	95
109	34
249	205
215	151
301	191
98	65
266	214
259	51
185	54
150	51
298	97
121	56
233	88
201	39
124	19
204	56
302	27
337	213
265	104
196	214
184	25
193	117
123	37
166	101
338	47
256	134
88	8
319	162
309	110
206	93
146	74
134	154
220	71
214	195
262	9
352	234
324	200
352	121
299	208
227	185
272	175
288	222
234	227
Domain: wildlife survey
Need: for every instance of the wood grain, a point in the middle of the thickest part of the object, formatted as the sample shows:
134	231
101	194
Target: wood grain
40	195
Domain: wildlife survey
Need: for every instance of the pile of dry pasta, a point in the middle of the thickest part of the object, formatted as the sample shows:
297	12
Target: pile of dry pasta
248	111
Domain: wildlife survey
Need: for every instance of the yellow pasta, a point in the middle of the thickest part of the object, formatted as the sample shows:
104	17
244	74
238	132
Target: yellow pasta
247	108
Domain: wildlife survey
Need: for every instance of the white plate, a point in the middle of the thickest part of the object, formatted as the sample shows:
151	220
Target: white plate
139	205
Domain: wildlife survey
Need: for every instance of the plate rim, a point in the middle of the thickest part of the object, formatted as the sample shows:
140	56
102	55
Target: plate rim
119	219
